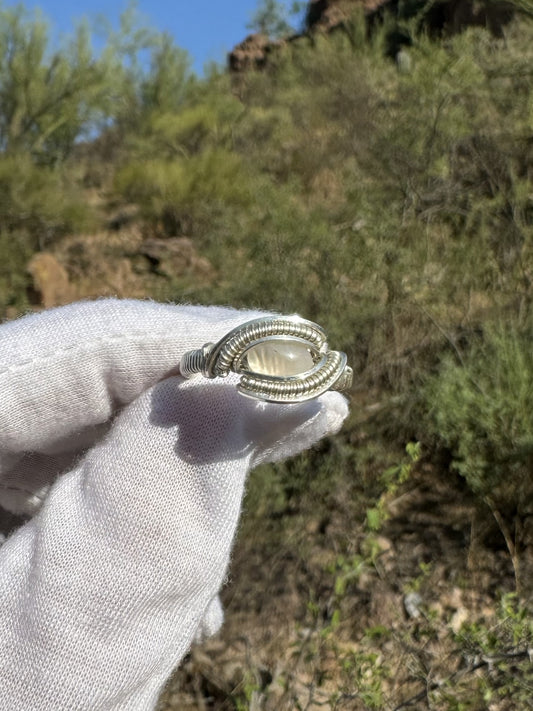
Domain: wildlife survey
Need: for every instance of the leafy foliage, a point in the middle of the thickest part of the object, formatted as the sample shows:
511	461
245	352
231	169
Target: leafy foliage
481	408
15	251
182	192
38	200
48	99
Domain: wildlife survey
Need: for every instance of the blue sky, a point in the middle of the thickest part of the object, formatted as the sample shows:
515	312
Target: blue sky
207	29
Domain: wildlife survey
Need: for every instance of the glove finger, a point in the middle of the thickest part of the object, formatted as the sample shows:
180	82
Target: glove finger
66	371
264	431
291	432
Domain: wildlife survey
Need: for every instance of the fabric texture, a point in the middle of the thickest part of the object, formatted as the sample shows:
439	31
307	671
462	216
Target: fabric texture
133	478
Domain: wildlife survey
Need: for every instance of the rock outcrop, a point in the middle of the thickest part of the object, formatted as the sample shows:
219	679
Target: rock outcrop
452	16
252	53
50	281
440	17
327	15
176	257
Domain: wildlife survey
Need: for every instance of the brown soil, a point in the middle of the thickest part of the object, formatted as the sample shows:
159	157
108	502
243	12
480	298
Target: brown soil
279	648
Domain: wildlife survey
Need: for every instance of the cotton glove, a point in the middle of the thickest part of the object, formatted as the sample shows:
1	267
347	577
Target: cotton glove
134	479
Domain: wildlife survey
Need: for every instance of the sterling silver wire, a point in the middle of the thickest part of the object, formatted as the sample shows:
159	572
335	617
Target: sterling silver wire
329	371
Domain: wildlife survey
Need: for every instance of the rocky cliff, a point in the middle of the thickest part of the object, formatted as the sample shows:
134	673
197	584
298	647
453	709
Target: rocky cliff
439	17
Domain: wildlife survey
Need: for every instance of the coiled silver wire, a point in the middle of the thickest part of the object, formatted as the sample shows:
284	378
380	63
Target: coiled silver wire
330	369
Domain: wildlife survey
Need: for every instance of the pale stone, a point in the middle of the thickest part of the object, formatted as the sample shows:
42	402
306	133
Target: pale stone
282	357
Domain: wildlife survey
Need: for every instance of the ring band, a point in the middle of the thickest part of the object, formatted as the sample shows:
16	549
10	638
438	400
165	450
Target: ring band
280	359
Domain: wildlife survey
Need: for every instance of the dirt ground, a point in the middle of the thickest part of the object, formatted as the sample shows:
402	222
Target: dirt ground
385	637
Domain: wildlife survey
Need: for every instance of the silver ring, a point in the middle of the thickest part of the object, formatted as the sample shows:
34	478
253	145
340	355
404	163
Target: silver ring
279	358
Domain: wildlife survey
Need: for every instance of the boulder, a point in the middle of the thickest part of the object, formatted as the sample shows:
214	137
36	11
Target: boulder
50	281
250	54
176	257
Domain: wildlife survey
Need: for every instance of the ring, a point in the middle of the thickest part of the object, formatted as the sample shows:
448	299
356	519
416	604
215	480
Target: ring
280	359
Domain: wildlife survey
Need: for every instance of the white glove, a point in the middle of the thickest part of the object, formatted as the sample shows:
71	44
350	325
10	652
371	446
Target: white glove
134	479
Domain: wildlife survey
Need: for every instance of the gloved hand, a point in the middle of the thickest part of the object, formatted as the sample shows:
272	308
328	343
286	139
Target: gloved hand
134	479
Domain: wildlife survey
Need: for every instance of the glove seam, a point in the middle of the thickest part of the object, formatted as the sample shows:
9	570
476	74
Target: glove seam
87	346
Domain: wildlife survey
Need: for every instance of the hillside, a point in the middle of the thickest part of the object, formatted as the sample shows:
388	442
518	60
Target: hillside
386	194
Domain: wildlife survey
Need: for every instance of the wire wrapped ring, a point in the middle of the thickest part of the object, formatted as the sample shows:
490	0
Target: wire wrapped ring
280	359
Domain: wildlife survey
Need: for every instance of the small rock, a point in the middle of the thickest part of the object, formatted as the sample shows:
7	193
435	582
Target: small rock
412	603
385	544
459	617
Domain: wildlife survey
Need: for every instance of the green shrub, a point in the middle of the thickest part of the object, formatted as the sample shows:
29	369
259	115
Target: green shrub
500	653
481	409
181	193
39	201
15	251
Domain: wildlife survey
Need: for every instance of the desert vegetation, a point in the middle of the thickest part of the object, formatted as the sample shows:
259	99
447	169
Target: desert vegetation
388	198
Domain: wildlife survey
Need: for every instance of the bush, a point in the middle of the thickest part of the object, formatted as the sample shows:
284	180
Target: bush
480	407
15	251
39	201
179	194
